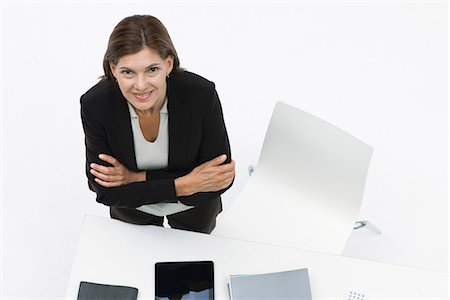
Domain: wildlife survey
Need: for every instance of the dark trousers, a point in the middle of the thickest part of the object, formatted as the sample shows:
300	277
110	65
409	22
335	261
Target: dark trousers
201	218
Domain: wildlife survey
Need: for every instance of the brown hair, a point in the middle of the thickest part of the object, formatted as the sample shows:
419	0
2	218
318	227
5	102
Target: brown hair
134	33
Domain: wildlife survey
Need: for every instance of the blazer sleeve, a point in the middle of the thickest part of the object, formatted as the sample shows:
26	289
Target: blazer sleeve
214	142
128	196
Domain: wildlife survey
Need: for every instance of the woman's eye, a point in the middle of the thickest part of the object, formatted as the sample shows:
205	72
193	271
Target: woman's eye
153	69
126	72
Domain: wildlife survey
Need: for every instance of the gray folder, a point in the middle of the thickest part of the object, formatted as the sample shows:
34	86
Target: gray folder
287	285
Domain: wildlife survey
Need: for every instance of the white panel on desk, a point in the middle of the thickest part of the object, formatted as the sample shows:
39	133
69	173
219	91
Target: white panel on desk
307	189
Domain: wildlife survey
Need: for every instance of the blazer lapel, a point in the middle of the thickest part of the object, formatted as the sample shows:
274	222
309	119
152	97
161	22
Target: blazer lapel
121	132
179	119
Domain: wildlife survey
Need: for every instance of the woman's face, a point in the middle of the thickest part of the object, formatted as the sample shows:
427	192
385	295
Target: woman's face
142	78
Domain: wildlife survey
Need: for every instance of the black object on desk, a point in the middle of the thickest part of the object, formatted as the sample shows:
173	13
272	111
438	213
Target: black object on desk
96	291
193	279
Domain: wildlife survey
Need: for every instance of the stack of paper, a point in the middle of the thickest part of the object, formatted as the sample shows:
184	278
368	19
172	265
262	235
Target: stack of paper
287	285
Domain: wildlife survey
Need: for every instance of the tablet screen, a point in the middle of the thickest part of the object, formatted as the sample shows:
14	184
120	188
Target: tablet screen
189	280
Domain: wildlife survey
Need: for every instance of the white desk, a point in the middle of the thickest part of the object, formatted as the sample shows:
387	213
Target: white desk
114	252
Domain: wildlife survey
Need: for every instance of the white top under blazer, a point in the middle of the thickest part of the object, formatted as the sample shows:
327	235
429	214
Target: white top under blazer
154	156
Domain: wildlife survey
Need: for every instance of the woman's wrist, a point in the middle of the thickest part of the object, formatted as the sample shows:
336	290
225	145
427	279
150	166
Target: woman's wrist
140	176
183	186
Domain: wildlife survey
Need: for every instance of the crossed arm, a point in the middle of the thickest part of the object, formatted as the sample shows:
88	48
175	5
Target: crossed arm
211	176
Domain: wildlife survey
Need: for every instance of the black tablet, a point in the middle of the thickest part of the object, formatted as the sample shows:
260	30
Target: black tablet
185	280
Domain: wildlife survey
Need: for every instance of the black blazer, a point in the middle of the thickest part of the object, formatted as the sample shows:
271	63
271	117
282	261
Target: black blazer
197	134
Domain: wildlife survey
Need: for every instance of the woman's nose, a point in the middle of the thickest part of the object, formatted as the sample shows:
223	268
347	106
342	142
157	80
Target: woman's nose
140	83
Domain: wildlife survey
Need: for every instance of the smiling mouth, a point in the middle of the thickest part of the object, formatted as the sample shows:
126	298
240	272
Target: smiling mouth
142	96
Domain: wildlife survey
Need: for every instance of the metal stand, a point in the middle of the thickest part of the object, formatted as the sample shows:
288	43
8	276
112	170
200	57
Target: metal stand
368	225
251	169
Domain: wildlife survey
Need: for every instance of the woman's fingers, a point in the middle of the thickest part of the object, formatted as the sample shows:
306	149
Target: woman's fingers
106	177
226	167
107	183
110	159
221	176
116	175
210	176
219	170
103	169
228	175
215	161
116	169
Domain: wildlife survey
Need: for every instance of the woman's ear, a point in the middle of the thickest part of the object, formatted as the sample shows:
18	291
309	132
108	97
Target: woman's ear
113	69
169	64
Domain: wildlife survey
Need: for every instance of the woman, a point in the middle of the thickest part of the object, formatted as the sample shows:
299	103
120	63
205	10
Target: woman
156	142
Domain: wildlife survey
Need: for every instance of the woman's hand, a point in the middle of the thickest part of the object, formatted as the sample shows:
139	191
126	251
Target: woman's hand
116	175
210	176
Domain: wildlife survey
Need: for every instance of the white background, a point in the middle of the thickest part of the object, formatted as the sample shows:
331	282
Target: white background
376	70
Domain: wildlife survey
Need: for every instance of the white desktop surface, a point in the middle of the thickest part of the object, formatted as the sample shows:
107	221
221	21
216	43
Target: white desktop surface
114	252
